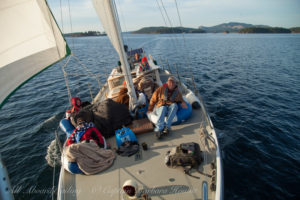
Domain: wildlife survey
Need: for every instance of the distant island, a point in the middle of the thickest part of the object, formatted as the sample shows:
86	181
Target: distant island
83	34
231	27
265	30
164	30
295	29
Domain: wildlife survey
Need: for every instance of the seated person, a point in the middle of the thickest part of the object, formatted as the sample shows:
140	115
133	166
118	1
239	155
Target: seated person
85	132
144	66
119	68
123	97
76	102
137	58
164	104
78	105
134	60
147	86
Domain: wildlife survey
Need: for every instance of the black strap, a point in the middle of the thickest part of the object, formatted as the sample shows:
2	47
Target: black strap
173	96
208	175
187	172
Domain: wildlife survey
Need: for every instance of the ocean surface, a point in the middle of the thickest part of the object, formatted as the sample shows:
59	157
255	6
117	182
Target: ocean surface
250	84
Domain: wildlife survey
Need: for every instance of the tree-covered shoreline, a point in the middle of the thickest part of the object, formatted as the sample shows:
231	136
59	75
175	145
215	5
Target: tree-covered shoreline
84	34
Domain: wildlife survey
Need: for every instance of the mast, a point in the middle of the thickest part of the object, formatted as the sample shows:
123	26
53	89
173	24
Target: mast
106	11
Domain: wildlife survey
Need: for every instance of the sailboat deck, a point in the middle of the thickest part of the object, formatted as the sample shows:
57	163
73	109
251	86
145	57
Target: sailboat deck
149	171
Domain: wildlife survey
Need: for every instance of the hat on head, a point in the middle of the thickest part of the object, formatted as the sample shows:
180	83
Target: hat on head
144	59
172	78
68	114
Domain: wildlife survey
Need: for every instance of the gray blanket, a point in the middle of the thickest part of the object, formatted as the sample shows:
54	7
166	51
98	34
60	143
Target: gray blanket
90	158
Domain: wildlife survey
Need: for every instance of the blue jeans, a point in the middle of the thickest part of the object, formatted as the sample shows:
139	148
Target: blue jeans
162	112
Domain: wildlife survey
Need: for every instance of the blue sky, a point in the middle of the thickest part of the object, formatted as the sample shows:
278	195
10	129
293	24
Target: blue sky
135	14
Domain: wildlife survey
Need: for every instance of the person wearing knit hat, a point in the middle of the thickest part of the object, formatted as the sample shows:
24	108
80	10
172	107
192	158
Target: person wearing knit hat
144	66
68	114
144	59
163	104
76	102
172	78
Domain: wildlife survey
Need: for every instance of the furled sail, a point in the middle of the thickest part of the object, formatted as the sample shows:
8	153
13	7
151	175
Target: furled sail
108	16
30	41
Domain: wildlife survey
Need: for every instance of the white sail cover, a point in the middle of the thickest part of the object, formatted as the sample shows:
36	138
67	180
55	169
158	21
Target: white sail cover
108	16
30	41
105	11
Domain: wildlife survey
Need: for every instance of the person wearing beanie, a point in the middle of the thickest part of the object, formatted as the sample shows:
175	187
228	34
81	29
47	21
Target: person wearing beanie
76	102
163	104
144	66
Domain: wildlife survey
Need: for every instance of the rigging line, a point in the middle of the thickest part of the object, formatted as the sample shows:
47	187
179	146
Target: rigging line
167	14
180	22
89	85
173	37
61	18
118	21
58	144
187	58
170	22
53	180
67	81
124	22
71	24
161	12
86	68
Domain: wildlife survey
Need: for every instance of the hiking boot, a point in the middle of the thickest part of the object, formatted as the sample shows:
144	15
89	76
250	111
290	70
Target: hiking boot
158	134
166	131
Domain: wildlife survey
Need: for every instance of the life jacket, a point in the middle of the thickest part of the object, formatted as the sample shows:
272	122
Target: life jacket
144	68
174	94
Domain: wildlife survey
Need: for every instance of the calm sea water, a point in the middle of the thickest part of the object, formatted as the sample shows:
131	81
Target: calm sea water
250	84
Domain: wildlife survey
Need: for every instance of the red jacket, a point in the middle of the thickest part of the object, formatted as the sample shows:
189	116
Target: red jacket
91	133
75	108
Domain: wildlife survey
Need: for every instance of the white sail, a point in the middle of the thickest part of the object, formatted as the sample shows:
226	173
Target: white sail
30	41
108	16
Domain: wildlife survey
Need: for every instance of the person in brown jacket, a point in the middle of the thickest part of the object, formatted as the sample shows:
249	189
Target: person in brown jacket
164	104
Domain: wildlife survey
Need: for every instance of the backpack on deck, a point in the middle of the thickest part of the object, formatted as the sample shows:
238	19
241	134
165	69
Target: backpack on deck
185	155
